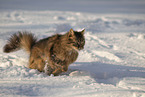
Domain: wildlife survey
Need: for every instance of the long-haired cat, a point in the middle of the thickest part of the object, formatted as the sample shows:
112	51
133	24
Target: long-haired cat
51	55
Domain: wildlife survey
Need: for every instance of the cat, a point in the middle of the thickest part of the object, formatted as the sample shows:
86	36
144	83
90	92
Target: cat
51	55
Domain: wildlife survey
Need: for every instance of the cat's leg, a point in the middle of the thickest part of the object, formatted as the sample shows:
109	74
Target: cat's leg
65	68
32	63
36	61
57	71
47	68
33	59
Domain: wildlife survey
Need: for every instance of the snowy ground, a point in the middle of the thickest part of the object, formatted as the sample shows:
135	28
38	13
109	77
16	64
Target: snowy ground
111	65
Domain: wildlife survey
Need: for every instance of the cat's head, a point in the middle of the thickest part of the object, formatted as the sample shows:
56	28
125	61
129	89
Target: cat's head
76	39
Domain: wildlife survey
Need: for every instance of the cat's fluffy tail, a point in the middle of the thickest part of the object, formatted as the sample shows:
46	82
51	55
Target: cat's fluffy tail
20	40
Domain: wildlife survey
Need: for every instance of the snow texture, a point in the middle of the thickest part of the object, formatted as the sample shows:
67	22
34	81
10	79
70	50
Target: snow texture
112	63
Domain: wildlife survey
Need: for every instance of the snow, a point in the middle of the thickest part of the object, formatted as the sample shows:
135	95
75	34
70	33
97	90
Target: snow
111	64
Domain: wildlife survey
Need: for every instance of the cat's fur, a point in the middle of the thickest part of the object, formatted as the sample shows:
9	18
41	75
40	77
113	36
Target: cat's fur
51	55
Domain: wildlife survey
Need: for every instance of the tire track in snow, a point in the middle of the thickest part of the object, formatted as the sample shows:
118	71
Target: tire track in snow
142	55
103	54
96	39
107	55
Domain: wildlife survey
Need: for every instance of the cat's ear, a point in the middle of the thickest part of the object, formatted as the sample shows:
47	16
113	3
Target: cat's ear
71	33
83	31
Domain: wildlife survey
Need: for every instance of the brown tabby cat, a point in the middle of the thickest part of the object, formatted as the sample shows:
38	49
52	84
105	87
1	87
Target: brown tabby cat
51	55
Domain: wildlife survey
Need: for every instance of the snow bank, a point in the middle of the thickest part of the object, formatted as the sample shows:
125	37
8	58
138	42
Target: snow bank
112	63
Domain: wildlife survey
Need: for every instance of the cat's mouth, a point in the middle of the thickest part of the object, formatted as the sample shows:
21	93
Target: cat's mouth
80	48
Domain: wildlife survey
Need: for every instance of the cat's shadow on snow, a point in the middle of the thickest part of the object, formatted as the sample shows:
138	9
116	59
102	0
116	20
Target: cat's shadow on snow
99	70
